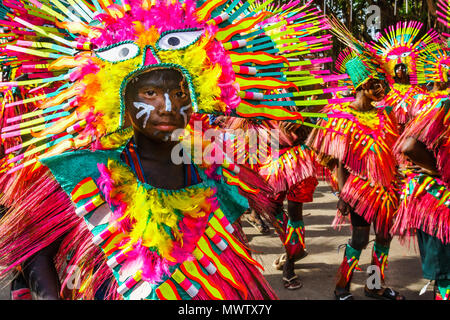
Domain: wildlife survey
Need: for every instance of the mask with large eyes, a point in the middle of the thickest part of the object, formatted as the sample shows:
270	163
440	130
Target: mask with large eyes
170	40
178	39
169	35
400	55
444	69
119	52
185	50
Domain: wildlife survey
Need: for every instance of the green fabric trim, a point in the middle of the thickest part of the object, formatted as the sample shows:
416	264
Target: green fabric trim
436	189
231	202
351	252
388	109
280	216
296	224
70	168
443	283
379	249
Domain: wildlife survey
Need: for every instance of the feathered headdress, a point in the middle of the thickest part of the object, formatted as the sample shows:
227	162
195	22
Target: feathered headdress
443	12
358	67
400	45
88	51
435	65
356	60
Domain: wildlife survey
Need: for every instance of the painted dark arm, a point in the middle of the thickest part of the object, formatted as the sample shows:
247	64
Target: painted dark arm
418	153
342	176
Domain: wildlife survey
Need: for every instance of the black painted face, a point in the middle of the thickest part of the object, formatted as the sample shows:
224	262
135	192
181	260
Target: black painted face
401	73
441	86
158	103
400	70
374	89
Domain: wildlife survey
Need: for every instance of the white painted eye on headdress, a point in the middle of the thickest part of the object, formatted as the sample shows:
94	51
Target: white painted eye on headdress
118	52
443	65
176	40
405	54
392	57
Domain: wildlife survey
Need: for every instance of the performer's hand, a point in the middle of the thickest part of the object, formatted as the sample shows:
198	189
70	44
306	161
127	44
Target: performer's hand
419	169
288	127
343	207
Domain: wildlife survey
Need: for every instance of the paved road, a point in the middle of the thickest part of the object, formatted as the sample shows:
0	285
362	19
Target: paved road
318	269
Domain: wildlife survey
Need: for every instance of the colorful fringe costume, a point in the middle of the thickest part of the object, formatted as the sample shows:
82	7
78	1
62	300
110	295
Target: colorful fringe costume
363	142
425	204
71	182
292	176
399	46
291	171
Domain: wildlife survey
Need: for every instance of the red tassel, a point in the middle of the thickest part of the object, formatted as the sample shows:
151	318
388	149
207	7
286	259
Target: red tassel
263	201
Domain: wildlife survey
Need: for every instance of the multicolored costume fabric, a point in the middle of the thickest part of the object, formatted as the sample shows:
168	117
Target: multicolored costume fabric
292	176
426	203
403	97
363	142
182	245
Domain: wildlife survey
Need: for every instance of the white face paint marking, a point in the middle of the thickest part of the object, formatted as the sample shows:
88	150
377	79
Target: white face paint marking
166	136
184	114
146	111
168	102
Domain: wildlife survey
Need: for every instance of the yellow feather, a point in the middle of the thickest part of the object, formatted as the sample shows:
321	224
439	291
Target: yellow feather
151	211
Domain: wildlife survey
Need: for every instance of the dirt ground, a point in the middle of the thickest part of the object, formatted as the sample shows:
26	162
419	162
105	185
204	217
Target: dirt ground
317	271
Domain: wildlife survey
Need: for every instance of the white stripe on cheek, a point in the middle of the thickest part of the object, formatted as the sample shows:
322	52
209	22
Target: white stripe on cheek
168	102
184	114
146	111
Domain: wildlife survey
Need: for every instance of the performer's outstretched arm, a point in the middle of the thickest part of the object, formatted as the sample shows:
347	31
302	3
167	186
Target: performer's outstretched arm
342	176
418	153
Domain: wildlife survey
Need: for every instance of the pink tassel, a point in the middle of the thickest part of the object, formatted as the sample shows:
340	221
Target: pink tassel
369	204
284	177
34	220
257	286
421	211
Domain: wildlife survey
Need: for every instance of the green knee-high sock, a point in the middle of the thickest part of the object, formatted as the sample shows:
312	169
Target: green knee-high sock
380	258
347	267
443	289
